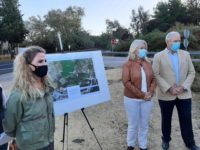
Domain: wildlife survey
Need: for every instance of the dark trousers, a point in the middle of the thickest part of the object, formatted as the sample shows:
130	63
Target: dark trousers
4	147
49	147
185	119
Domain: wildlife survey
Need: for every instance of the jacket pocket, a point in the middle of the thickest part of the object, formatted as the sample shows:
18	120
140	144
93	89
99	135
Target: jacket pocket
32	132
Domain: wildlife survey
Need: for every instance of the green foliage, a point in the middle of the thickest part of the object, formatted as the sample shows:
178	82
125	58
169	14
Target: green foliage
167	14
67	22
193	9
155	40
176	12
117	31
11	27
194	38
139	21
43	32
114	30
157	24
122	34
112	25
40	34
103	41
123	46
196	83
80	40
197	67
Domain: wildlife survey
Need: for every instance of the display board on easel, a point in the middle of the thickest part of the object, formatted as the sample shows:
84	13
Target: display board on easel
80	80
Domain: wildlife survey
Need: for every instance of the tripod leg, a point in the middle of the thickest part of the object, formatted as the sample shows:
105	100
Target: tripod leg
91	128
65	122
67	129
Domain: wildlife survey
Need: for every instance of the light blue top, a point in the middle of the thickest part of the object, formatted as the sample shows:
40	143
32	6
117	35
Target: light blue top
175	64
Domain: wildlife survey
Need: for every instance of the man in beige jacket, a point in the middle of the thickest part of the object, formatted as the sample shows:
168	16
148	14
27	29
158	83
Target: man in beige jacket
174	73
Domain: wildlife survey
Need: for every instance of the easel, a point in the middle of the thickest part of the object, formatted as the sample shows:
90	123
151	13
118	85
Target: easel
66	124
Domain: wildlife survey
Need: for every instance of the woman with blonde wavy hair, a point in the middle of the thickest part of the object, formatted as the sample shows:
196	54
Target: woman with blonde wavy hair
29	115
139	86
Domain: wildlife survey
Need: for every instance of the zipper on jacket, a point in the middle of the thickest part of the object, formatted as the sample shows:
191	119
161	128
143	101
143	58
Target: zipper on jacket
48	120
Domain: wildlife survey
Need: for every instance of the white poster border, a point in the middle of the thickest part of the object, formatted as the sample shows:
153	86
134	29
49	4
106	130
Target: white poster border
86	100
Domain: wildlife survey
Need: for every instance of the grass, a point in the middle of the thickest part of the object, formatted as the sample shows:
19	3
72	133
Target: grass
4	57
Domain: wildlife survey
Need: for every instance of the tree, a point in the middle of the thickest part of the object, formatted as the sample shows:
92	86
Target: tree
111	25
193	7
36	27
117	31
157	24
102	41
80	39
166	14
12	27
40	34
139	20
177	12
68	23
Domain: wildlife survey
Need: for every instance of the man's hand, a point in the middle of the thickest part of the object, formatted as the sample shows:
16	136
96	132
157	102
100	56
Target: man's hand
173	90
176	90
179	89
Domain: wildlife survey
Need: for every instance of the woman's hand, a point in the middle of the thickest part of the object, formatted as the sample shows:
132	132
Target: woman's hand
147	96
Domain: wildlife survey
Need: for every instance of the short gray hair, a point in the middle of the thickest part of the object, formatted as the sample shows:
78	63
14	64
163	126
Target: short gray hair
170	35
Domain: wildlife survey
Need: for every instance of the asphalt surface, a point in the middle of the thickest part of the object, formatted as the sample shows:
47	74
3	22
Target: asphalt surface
109	62
6	67
113	62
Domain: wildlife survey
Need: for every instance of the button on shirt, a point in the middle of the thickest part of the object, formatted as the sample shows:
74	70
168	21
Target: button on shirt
175	64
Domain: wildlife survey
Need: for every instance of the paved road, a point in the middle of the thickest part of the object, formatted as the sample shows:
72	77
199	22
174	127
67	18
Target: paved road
6	67
113	62
109	62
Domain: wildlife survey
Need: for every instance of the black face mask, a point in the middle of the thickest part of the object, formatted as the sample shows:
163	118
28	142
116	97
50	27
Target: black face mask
40	71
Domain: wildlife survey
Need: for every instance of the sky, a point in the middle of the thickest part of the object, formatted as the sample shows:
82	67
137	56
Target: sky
96	11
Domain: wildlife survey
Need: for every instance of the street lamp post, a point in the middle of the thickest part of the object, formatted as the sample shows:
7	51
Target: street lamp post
69	46
60	41
112	39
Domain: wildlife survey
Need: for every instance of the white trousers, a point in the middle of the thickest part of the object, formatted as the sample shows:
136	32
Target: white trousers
138	113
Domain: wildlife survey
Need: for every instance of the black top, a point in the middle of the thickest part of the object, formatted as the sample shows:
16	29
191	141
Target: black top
1	109
1	98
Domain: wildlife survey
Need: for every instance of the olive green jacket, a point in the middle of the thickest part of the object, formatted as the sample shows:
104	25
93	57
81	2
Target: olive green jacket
32	122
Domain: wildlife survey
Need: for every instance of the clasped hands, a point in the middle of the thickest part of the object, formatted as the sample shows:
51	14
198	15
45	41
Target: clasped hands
176	90
147	96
